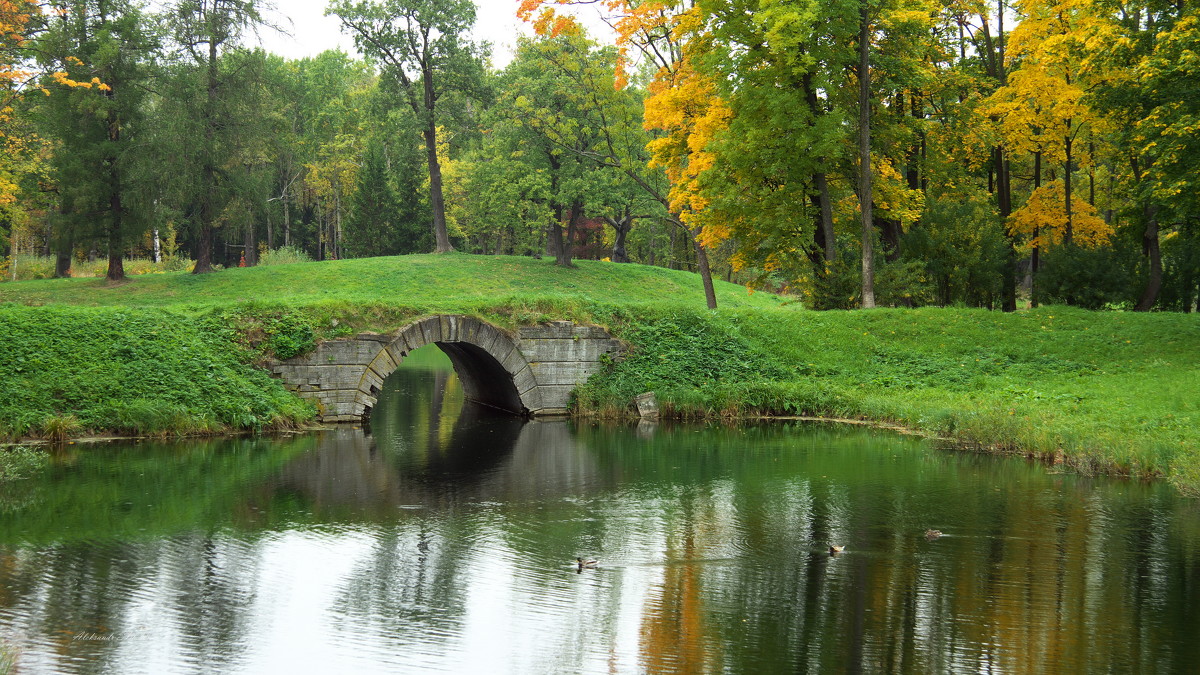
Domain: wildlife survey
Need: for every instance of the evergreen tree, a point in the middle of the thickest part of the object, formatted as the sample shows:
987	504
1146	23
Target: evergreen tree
101	51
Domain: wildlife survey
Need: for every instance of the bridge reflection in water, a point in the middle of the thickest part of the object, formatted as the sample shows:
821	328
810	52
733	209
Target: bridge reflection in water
442	541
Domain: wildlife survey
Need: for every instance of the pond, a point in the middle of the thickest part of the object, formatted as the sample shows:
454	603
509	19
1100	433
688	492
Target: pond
444	539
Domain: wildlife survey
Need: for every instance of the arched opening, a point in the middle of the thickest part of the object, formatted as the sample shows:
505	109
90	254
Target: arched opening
491	368
483	379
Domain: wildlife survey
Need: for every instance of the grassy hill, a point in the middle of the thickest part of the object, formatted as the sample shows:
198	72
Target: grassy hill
1099	392
436	282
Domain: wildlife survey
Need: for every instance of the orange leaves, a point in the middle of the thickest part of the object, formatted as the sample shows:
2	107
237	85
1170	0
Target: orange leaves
62	78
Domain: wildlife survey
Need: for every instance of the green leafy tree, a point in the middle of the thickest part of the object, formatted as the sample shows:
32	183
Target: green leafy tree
422	48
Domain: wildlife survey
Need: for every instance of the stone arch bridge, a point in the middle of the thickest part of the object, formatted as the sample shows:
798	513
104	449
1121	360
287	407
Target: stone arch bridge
531	372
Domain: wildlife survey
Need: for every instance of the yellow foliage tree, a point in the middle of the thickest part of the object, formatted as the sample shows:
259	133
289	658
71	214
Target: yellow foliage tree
1042	108
682	104
1043	220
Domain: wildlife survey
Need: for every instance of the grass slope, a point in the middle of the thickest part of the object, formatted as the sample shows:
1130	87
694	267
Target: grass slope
1111	392
432	282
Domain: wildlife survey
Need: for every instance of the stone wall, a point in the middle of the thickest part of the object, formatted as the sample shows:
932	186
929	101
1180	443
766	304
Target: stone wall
530	373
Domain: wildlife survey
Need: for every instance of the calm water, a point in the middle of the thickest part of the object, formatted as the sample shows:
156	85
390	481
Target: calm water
444	541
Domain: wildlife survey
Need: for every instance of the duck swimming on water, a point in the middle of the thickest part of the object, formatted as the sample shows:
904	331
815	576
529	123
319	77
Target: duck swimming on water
932	534
585	563
834	550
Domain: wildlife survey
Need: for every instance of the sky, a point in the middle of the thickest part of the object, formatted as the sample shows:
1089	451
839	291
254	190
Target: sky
313	32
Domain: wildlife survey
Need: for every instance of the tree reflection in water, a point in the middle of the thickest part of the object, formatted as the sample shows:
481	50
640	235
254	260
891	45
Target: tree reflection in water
445	540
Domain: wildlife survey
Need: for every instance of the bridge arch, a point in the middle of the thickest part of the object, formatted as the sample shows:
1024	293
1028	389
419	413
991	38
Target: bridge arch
488	362
527	372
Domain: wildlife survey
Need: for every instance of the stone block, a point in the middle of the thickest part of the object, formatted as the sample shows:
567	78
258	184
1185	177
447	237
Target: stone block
562	330
364	399
524	380
556	395
431	330
383	365
568	350
647	405
468	329
563	372
487	338
514	361
398	350
532	399
449	325
370	382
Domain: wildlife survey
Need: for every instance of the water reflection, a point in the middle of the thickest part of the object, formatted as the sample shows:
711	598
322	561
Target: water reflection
443	542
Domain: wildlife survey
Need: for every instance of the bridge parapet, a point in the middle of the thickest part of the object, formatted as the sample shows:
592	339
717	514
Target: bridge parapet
532	372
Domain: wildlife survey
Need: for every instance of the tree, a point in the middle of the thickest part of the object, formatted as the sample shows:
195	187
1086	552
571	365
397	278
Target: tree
383	221
663	33
422	48
101	53
206	121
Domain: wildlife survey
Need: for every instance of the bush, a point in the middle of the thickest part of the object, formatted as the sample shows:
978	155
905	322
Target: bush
143	371
285	255
29	267
1093	278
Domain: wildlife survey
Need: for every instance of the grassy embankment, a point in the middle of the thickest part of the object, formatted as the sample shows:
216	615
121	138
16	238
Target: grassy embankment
1102	392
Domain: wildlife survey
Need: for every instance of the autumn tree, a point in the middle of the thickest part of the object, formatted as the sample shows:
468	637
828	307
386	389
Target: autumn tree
660	33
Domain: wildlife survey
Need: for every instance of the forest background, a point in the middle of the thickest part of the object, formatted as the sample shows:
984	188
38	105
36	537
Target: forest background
1043	152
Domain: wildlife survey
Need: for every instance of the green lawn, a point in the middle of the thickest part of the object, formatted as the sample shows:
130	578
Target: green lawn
1101	392
444	282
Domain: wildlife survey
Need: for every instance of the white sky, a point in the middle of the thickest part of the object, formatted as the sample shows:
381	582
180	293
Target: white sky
313	32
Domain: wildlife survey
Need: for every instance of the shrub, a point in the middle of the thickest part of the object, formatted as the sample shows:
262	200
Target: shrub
285	255
61	427
29	267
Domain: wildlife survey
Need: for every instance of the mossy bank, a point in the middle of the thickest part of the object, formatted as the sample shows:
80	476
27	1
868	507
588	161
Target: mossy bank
1101	392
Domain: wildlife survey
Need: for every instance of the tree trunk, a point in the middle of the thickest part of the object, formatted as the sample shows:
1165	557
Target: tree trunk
250	246
826	217
864	154
62	261
1068	234
435	189
64	247
621	226
209	172
204	251
1151	250
823	237
564	244
889	236
1036	255
116	265
1004	200
710	294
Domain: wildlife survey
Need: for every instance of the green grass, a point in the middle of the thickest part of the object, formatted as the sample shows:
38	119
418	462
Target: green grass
1101	392
71	370
432	282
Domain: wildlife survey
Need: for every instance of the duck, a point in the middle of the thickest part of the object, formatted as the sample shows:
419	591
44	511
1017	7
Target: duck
585	563
834	550
932	534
